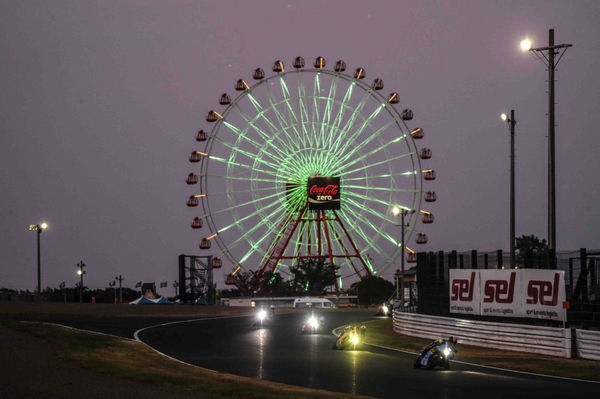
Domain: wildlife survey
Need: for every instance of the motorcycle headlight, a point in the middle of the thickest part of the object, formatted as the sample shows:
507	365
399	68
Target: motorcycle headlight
385	309
447	351
354	339
314	323
262	315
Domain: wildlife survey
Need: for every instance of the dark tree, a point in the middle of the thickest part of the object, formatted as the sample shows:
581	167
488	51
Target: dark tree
313	275
531	251
373	290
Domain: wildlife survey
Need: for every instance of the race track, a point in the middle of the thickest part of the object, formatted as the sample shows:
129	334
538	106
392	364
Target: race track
278	352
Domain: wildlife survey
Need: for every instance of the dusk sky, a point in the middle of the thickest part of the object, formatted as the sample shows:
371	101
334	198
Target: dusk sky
100	102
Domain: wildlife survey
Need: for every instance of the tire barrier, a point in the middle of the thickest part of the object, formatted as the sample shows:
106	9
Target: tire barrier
588	344
516	337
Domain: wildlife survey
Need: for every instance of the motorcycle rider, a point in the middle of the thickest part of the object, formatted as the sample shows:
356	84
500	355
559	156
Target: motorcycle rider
437	346
349	332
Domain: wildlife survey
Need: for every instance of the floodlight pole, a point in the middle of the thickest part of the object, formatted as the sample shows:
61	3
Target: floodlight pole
550	60
39	261
511	123
81	272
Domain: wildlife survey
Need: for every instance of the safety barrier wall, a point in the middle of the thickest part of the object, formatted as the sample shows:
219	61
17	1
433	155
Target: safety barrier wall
588	344
516	337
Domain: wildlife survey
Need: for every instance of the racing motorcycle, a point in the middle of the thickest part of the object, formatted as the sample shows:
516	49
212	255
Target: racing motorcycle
311	326
438	353
350	337
384	310
261	317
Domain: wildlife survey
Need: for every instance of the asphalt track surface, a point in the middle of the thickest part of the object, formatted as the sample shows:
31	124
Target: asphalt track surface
278	352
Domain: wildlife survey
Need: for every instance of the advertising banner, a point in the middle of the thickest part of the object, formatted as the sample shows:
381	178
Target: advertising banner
508	293
464	291
500	292
544	294
323	193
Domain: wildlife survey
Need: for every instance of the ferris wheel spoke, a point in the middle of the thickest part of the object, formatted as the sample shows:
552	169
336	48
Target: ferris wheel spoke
231	208
391	190
249	154
339	116
250	190
377	230
409	173
316	115
373	164
242	134
364	142
245	178
283	123
267	139
368	154
328	108
290	110
367	198
368	239
304	118
353	116
256	248
249	216
353	138
231	163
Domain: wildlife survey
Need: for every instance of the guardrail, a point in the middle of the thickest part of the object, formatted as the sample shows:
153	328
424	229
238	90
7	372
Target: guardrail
588	344
516	337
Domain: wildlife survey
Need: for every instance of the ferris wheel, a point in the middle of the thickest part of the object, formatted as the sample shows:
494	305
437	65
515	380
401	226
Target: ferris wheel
309	163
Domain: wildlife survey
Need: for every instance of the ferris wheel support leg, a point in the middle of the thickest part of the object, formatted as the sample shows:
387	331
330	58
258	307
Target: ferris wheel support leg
329	249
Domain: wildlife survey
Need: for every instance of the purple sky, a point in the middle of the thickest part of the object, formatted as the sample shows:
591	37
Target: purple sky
100	101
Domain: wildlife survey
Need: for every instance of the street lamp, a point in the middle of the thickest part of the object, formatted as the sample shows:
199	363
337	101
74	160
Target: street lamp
81	272
39	228
511	124
396	210
547	56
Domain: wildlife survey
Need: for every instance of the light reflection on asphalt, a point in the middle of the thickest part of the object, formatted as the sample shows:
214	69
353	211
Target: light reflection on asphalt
354	355
261	335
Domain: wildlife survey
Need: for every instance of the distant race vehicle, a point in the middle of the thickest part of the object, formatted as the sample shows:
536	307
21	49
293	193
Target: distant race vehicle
351	337
384	310
438	353
311	325
263	316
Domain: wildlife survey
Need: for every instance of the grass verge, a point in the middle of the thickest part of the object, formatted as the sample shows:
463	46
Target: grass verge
380	333
133	360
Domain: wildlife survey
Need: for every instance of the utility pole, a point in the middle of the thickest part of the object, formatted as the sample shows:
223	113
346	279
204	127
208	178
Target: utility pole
548	56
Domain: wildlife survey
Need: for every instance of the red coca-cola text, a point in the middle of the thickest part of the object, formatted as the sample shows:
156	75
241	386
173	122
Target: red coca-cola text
330	189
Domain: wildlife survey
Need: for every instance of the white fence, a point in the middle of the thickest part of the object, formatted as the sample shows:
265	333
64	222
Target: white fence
588	344
517	337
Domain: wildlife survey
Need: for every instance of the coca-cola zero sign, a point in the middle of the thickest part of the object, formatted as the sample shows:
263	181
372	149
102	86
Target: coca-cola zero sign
323	192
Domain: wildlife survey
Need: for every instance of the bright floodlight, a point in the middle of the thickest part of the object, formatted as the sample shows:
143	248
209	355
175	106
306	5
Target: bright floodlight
525	44
504	116
79	272
44	226
395	211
